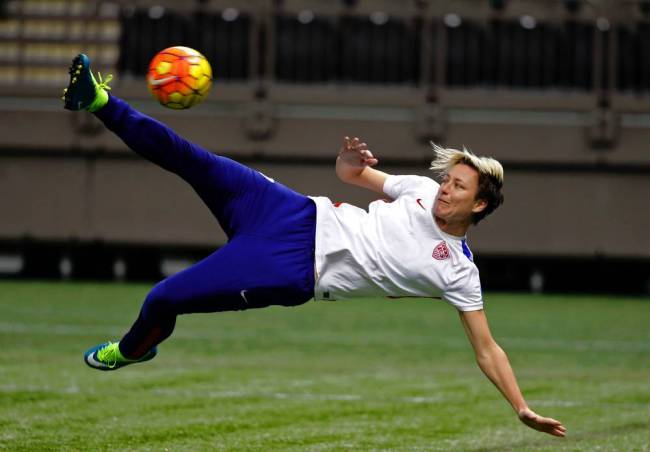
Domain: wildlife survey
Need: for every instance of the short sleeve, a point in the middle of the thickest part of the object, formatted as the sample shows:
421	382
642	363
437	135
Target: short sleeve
396	186
466	295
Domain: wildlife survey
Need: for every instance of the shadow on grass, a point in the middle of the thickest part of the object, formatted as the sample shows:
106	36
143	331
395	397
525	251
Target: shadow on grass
572	440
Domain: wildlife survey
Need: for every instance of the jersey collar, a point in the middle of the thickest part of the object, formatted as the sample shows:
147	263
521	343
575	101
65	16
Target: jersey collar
443	233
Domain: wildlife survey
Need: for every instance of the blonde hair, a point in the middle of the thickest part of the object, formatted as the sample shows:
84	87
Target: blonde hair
447	158
490	175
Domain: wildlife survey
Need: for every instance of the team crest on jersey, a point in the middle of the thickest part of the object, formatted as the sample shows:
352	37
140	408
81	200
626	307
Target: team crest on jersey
441	252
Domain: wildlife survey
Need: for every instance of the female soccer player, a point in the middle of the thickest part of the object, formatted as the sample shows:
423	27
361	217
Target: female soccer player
285	248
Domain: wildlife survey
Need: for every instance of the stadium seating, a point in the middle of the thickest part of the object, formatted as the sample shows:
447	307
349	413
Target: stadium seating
38	37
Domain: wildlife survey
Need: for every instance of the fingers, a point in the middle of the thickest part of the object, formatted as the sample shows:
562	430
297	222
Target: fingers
365	153
555	428
366	156
543	424
560	432
355	145
551	426
360	147
345	146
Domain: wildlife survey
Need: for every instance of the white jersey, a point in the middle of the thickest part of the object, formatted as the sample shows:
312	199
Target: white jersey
395	250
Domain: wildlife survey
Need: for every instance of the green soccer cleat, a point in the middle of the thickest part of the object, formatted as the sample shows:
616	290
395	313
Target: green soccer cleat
107	356
83	91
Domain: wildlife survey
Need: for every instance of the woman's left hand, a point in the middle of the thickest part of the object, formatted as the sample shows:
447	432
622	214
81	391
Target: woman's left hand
543	424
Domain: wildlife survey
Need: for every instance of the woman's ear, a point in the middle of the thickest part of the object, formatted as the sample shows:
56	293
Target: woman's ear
479	205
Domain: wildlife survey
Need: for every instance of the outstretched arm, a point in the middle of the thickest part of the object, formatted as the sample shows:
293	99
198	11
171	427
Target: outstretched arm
495	365
353	166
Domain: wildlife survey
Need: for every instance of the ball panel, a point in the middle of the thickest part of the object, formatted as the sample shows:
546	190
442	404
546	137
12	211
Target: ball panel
191	82
203	84
163	67
196	70
169	58
205	67
162	96
176	97
184	89
169	87
180	68
189	101
178	51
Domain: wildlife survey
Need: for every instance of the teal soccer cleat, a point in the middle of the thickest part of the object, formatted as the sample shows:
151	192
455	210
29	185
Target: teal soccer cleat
83	91
107	356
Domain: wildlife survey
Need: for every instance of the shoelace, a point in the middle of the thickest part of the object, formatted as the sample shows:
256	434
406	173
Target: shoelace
108	355
104	83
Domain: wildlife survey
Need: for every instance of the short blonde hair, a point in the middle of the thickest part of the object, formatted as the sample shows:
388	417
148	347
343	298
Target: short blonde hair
490	175
446	158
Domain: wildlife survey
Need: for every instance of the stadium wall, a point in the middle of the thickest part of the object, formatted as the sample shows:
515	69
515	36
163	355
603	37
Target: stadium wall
576	156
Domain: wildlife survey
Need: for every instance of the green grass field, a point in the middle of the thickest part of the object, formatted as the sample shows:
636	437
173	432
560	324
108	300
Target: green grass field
355	375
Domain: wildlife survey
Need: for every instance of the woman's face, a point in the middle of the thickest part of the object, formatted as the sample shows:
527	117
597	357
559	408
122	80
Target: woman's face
456	200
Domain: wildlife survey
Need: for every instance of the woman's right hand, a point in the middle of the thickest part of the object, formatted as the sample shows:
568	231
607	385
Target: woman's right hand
355	154
353	166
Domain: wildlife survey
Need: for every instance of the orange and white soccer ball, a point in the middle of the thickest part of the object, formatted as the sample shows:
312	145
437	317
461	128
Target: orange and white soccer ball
179	77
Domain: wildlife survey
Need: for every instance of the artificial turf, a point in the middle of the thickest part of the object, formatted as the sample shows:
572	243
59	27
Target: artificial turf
348	375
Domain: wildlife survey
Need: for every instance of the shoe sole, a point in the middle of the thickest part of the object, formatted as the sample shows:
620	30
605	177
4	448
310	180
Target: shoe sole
79	64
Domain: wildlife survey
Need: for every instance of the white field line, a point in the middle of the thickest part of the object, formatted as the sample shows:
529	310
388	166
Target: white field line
241	394
297	396
72	389
511	343
541	343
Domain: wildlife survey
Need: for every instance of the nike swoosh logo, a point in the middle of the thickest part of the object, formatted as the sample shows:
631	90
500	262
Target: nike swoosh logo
243	295
161	81
270	179
90	359
419	201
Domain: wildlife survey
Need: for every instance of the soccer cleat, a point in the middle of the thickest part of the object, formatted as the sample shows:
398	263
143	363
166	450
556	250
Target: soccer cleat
83	91
107	356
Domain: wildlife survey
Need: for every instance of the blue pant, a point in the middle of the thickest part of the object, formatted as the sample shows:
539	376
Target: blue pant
269	257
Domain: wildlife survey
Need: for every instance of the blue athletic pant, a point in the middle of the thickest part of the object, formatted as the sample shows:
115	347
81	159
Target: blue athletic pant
269	257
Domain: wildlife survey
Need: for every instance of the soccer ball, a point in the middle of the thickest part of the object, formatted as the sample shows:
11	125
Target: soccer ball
179	77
